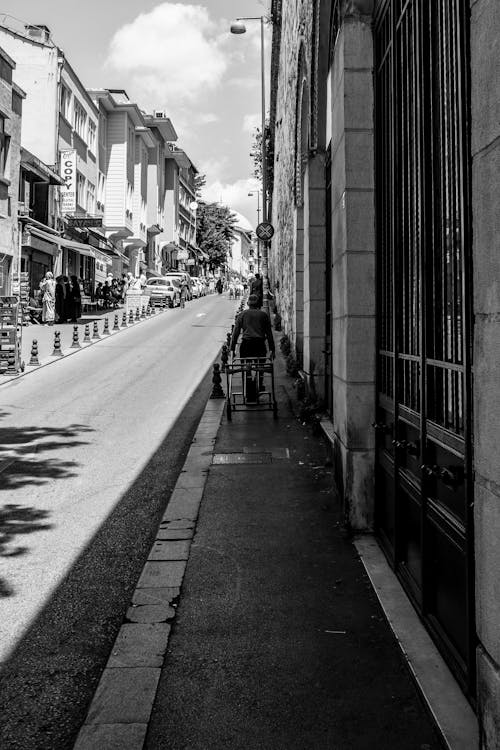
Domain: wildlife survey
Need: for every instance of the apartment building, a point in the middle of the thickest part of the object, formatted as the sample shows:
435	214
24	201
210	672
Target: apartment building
59	129
158	204
11	105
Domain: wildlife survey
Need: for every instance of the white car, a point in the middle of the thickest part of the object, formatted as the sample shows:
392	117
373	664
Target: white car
162	289
182	276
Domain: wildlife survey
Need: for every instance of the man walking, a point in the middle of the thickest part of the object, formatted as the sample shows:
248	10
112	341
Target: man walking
255	327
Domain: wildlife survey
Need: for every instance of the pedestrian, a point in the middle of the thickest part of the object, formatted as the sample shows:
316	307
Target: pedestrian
106	295
75	298
255	327
219	285
184	291
256	287
142	281
61	303
48	290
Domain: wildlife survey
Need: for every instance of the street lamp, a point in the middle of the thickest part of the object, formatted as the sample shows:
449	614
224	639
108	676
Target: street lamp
257	193
238	27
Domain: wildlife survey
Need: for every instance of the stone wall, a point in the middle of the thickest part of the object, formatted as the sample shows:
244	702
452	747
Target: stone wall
485	91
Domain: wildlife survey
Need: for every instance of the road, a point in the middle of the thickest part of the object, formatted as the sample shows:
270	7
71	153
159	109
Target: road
90	448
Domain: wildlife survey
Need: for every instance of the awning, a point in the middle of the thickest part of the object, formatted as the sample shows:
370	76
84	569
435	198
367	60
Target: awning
62	242
78	246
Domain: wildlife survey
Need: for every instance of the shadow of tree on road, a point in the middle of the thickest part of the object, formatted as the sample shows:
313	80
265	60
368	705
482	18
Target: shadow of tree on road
22	454
14	521
27	460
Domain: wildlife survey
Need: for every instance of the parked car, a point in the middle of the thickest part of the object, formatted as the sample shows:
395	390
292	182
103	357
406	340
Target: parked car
182	275
164	288
197	287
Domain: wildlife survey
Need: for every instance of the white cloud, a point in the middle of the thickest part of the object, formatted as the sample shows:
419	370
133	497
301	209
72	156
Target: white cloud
208	117
173	54
250	122
235	195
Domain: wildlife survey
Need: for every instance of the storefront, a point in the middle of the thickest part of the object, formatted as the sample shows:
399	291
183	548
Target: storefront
40	252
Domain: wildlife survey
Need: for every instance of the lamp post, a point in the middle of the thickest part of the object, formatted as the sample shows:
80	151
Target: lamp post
257	193
238	27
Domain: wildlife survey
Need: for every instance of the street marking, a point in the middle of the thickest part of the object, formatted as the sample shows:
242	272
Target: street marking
200	315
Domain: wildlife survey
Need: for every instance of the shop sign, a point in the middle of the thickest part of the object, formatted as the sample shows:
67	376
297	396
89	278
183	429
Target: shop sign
182	254
83	222
68	174
190	262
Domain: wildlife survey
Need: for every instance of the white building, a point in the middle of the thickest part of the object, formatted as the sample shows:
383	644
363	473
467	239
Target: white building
60	129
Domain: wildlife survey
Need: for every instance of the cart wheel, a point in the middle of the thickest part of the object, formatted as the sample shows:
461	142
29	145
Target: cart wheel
229	411
275	410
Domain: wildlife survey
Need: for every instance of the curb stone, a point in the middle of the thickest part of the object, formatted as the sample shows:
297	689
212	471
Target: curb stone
120	710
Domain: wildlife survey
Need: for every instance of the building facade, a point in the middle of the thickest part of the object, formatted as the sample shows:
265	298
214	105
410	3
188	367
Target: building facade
11	106
59	130
385	129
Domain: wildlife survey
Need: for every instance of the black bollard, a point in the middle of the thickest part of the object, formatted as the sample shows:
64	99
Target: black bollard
224	357
217	391
116	327
11	364
131	317
76	342
137	314
95	332
105	330
143	312
86	335
57	345
34	361
124	320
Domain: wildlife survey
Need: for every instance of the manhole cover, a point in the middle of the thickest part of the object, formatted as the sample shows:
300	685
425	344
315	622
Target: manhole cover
242	458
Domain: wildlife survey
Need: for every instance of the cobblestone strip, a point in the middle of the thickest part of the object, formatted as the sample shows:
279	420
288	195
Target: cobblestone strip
120	710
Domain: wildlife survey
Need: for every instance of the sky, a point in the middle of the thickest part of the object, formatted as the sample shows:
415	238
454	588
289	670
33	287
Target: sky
175	56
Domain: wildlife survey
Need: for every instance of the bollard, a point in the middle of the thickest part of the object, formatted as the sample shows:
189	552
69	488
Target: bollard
163	305
148	311
86	335
116	327
224	357
105	330
137	314
11	364
95	332
75	343
217	391
131	317
57	345
34	361
143	313
124	320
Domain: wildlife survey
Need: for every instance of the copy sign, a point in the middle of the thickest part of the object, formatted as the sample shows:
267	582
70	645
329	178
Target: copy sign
68	173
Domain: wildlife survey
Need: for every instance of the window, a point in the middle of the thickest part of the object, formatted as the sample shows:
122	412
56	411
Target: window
90	198
80	189
65	101
4	146
80	119
92	135
5	71
102	130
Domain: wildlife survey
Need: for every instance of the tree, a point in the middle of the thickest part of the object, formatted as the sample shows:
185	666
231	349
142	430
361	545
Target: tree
215	231
256	155
200	181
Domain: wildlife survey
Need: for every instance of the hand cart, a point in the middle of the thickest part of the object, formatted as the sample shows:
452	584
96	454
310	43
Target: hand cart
256	385
10	336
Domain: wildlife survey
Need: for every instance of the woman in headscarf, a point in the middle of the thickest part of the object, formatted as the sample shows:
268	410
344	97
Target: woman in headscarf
75	300
48	289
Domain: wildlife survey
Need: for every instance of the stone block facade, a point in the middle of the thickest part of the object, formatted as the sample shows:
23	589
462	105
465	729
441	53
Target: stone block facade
485	142
323	259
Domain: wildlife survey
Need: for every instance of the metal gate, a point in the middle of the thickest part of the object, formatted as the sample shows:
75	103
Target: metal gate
424	484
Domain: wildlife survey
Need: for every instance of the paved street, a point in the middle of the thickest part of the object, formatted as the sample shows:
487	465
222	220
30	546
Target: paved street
90	446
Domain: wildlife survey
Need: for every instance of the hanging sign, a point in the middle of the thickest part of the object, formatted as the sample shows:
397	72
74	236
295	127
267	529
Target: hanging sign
265	230
68	189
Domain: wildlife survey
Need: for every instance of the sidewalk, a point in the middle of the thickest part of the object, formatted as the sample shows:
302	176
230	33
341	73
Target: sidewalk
254	624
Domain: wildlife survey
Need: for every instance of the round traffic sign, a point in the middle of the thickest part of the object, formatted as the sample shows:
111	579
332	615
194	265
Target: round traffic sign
265	230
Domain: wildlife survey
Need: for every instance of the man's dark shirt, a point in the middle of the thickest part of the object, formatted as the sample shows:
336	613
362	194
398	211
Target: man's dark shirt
255	324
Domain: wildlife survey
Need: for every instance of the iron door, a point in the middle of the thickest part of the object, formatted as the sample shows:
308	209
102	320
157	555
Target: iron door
423	426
